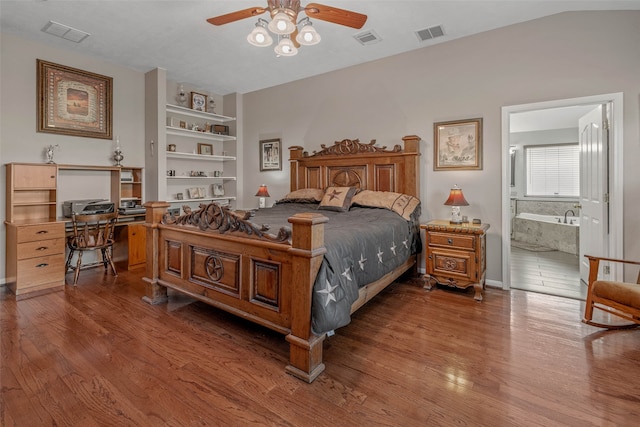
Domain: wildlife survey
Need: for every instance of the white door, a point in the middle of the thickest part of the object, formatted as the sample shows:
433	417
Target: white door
594	137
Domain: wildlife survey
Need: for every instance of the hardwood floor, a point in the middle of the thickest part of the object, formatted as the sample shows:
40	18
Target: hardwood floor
552	272
97	354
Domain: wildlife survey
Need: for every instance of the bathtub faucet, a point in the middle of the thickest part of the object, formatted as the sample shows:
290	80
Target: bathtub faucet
565	214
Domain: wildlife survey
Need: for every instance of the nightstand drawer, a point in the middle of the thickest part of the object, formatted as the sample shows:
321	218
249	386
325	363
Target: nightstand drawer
453	265
450	240
45	231
40	248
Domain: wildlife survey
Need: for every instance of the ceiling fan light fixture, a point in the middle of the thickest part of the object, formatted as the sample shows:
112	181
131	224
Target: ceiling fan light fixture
281	23
260	36
285	47
308	36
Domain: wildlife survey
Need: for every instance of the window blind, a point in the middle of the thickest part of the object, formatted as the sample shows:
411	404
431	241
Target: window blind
553	170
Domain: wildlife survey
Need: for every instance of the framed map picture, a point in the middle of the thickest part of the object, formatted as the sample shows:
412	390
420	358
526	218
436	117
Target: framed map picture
74	102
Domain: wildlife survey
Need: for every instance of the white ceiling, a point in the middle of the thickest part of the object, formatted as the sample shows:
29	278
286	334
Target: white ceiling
174	35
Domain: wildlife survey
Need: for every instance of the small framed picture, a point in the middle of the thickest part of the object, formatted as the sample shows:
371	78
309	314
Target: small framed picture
179	196
183	124
458	145
196	193
198	101
205	149
217	189
270	155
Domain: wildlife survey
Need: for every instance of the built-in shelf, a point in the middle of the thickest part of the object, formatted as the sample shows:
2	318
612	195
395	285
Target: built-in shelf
197	134
223	178
194	156
177	109
206	199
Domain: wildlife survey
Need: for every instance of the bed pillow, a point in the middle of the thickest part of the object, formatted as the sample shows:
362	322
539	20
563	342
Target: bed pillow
304	195
337	199
402	204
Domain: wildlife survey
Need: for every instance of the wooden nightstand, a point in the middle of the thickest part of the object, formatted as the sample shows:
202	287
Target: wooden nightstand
455	255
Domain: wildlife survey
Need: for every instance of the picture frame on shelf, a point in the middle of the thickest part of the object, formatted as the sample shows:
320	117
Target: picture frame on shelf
183	124
197	192
206	149
179	196
73	102
270	155
457	145
217	189
198	101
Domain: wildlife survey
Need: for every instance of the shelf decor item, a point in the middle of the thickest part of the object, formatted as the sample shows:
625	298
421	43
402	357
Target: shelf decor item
198	101
118	157
50	151
217	189
457	145
270	155
73	102
205	149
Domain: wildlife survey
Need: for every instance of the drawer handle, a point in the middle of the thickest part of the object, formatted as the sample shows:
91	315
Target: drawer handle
450	241
42	232
42	248
44	264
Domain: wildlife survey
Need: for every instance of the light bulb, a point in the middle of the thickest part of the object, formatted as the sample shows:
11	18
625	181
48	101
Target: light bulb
282	25
260	38
308	37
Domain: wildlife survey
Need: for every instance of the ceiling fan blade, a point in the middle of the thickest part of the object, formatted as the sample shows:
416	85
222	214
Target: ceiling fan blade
335	15
294	39
236	16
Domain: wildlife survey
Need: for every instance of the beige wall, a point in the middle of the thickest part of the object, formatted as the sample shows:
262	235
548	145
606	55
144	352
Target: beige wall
563	56
19	141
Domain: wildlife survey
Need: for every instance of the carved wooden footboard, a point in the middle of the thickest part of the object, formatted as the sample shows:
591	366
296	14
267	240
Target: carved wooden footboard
227	262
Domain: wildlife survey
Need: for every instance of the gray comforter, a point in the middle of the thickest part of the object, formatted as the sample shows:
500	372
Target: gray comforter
362	245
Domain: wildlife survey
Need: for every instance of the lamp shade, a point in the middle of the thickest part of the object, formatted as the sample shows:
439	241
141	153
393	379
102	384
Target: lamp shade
262	191
260	36
456	198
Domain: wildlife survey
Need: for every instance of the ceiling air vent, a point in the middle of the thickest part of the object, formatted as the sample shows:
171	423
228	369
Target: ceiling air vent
430	33
367	37
65	32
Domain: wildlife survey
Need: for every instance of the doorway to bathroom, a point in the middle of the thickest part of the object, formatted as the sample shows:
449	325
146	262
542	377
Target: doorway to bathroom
547	176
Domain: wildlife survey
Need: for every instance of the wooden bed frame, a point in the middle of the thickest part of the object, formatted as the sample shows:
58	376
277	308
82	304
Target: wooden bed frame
269	279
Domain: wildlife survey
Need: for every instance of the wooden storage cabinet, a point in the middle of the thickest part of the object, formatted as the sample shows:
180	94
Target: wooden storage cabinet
31	192
35	258
455	255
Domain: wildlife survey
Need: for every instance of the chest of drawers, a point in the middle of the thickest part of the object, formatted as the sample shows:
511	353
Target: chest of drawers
35	258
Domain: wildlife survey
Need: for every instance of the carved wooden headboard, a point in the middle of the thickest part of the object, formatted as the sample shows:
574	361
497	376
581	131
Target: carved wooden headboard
351	163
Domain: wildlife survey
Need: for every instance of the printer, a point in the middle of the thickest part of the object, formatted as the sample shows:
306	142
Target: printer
87	207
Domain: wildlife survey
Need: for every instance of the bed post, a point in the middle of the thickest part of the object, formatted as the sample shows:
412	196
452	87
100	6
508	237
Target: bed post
296	152
305	348
155	294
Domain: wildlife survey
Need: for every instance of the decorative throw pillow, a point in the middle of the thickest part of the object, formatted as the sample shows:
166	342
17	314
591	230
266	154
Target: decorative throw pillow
337	199
402	204
304	195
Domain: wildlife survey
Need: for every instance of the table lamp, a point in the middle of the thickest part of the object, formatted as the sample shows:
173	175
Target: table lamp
455	200
263	193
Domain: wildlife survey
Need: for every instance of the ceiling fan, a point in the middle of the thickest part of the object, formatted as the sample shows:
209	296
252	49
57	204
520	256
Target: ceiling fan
284	23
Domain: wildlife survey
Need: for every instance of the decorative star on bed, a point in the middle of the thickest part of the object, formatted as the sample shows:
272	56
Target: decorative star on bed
405	242
329	291
346	273
335	194
393	248
362	261
380	253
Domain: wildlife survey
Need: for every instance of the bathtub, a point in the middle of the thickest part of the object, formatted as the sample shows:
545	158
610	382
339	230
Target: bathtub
549	231
555	219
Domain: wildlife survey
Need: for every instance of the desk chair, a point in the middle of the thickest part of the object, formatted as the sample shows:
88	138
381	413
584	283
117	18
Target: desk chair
91	233
618	298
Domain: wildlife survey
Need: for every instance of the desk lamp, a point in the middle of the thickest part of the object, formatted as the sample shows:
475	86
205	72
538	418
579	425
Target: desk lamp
263	193
455	200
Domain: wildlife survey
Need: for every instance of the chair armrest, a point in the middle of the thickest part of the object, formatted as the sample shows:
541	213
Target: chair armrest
625	261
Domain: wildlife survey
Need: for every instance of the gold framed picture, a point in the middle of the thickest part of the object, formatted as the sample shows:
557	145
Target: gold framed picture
205	149
73	102
457	145
270	155
198	101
